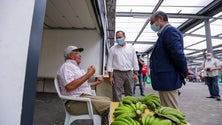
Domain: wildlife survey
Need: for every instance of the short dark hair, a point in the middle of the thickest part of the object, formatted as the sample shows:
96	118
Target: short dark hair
159	14
120	31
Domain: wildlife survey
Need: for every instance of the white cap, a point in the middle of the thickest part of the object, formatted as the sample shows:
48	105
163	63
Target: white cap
69	49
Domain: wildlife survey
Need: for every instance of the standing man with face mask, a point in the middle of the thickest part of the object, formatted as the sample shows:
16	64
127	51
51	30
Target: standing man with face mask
122	67
168	66
211	67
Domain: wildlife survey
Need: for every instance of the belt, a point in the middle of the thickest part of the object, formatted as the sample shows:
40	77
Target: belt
122	70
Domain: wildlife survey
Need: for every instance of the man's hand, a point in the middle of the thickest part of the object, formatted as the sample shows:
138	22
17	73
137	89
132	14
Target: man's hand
99	79
135	77
111	81
189	74
91	70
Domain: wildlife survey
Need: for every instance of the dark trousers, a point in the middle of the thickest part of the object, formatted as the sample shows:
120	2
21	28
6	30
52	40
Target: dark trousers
140	78
212	83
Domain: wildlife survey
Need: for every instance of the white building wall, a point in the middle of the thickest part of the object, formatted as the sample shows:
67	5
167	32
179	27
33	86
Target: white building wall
54	43
15	23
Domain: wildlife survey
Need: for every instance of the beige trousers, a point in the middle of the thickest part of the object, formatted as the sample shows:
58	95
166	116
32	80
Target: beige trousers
101	106
169	98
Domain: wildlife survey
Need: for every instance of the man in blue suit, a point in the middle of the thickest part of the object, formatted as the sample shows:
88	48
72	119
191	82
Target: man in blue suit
168	66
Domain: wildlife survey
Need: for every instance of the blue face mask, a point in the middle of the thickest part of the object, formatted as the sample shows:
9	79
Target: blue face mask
119	41
155	27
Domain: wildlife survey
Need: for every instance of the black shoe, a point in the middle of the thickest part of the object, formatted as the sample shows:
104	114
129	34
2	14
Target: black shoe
210	97
218	99
142	95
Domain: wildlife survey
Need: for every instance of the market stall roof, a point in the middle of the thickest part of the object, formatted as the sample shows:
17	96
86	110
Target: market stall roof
189	16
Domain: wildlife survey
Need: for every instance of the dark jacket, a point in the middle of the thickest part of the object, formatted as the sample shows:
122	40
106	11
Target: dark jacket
168	65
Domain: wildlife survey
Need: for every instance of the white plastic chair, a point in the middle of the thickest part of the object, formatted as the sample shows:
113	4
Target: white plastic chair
96	119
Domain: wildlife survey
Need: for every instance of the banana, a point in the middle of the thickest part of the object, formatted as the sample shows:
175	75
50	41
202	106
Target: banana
162	109
132	115
137	105
126	101
131	120
183	122
133	106
137	123
149	97
121	104
151	105
147	119
132	99
143	107
123	108
157	102
165	122
150	120
117	113
143	120
118	123
174	119
124	120
155	121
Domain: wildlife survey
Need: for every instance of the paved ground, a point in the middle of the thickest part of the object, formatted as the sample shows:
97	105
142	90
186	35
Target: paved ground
199	110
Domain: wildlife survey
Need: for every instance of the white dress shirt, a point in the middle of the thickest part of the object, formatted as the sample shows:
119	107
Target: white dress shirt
68	72
122	58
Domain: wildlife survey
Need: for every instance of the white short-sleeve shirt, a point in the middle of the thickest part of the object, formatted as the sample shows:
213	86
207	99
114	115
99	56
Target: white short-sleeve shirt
68	72
211	64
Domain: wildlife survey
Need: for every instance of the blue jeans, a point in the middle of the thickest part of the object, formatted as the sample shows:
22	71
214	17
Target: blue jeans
212	83
140	78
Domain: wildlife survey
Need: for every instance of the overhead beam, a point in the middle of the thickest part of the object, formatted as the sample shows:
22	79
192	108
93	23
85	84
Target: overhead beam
202	36
147	21
210	10
170	15
202	50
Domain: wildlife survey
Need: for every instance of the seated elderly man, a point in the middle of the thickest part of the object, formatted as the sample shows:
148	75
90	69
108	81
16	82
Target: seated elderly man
73	81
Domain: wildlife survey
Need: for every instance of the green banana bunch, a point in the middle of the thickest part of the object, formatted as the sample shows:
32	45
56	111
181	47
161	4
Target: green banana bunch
125	121
126	109
152	101
173	114
129	100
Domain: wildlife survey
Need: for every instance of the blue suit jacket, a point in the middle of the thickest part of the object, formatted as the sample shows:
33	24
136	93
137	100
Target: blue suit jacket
168	65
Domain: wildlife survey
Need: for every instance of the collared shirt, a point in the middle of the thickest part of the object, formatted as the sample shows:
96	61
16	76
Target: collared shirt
122	58
211	64
159	32
68	72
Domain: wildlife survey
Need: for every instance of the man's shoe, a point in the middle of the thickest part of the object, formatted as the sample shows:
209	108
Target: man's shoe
210	97
218	99
142	95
